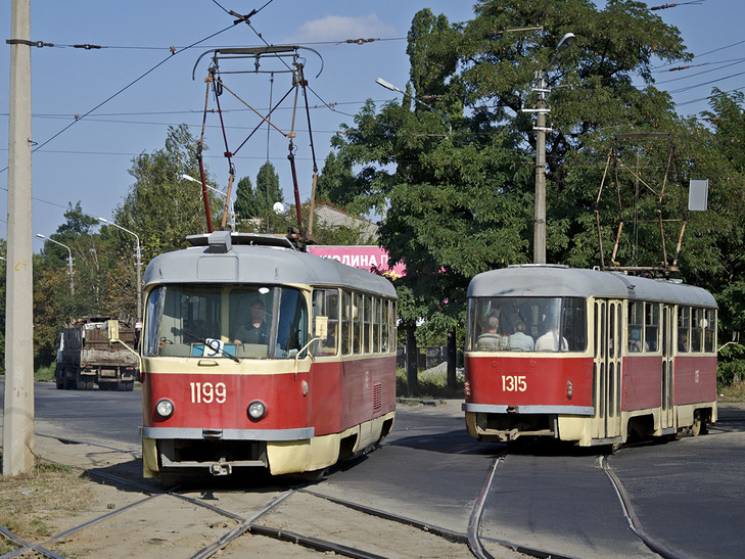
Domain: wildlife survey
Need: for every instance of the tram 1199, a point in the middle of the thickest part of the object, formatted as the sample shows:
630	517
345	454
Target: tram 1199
587	356
256	354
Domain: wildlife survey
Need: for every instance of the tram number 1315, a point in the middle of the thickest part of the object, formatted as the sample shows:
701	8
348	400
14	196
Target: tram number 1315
514	383
206	392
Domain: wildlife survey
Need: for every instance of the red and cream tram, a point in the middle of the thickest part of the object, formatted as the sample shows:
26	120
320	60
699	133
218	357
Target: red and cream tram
586	356
256	354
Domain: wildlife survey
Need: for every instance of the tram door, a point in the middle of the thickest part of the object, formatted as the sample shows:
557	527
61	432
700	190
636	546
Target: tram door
667	417
607	368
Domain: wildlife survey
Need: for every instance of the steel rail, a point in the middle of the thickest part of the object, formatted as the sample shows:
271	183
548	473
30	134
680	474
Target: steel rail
474	520
632	518
445	533
241	529
312	543
529	551
26	546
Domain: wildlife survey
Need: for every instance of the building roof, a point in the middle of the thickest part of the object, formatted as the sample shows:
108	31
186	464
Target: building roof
271	265
331	216
560	281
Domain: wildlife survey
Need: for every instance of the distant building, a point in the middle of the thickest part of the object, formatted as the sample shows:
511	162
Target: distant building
328	215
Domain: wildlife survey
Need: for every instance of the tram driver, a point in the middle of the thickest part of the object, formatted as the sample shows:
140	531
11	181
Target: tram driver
256	330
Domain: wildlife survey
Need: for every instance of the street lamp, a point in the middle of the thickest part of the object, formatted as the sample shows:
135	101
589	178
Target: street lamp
390	87
216	191
138	258
539	213
69	260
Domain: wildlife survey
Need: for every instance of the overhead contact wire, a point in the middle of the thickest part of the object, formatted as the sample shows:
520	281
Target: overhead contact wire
125	88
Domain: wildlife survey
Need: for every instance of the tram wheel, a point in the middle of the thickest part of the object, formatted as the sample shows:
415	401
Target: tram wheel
699	426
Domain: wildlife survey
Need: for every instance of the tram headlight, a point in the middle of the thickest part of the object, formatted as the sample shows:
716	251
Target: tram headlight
570	390
256	410
164	408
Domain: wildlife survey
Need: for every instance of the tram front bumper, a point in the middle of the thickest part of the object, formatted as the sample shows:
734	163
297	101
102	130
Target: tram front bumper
505	427
219	451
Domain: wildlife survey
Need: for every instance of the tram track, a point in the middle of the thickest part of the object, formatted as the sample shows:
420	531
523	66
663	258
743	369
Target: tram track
632	518
245	525
253	525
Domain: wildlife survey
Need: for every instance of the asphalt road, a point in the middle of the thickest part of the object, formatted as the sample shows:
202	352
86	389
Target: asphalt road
688	495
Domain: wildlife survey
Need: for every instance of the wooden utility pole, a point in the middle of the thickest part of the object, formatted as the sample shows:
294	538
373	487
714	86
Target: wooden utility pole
18	411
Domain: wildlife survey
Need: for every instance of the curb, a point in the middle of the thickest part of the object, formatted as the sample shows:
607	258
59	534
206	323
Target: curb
418	401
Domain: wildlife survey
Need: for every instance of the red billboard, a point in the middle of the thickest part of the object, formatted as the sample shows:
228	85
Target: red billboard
365	257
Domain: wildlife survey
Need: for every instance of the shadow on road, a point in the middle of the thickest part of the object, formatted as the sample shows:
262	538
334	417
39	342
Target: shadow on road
731	419
449	442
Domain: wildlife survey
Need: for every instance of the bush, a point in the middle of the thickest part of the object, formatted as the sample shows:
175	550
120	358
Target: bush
45	373
731	367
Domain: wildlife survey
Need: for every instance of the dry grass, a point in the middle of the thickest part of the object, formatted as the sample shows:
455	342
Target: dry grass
30	503
734	392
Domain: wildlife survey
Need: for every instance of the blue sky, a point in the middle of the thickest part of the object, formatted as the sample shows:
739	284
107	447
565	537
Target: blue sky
90	162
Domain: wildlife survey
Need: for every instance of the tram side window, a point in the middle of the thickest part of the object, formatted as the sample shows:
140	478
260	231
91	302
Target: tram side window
357	303
684	329
709	330
651	326
384	325
392	327
326	303
346	323
367	324
697	329
376	326
636	327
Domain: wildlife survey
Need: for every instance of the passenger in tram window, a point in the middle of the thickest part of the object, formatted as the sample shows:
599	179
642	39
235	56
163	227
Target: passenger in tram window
256	331
490	339
683	341
635	340
550	340
520	341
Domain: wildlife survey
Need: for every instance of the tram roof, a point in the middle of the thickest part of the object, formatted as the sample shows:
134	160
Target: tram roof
560	281
259	264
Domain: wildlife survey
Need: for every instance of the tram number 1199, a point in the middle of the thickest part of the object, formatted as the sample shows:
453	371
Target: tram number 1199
514	383
206	392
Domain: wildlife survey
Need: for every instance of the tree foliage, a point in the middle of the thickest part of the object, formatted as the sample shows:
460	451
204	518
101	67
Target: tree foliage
451	165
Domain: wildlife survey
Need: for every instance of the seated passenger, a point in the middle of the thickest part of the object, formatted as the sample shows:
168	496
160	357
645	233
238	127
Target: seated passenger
490	339
550	340
255	330
520	341
683	342
635	342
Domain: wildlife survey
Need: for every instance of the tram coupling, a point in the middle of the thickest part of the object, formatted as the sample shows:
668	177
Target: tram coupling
220	469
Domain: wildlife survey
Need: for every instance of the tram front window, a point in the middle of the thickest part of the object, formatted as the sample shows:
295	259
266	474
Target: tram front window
535	324
249	322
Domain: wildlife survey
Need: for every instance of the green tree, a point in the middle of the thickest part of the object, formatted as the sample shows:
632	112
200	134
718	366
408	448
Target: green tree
268	193
337	183
245	200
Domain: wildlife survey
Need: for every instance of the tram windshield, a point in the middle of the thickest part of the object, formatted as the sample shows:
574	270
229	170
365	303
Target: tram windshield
218	321
536	324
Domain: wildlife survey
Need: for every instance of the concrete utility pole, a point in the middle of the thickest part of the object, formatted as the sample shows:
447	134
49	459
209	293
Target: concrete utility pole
539	214
18	411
